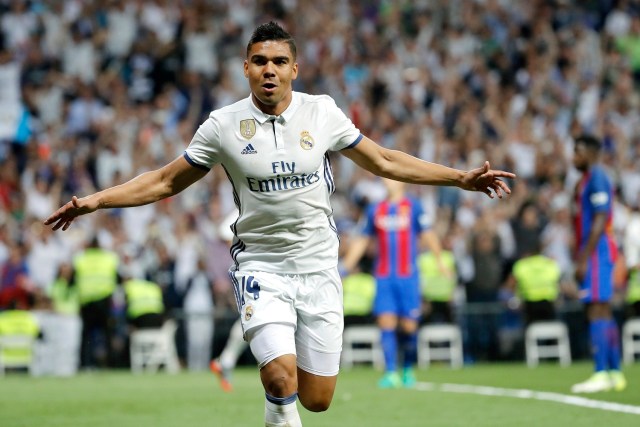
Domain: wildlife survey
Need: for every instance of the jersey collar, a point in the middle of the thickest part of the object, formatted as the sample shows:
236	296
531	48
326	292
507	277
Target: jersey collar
286	115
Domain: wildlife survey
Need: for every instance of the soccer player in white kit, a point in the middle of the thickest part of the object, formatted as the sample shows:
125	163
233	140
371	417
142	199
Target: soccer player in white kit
273	146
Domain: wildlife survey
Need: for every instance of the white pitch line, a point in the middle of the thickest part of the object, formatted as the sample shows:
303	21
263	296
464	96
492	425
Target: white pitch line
566	399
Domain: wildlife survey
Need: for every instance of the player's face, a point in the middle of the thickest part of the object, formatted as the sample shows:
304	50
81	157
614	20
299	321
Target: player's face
581	157
270	68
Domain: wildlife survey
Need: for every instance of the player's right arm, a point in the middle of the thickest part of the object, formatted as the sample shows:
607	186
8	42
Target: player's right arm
395	164
145	188
354	253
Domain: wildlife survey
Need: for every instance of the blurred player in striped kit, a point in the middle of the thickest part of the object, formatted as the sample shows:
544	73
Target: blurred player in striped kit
400	228
596	253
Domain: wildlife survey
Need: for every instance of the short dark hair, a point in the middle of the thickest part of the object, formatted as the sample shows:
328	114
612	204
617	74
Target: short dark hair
272	31
589	141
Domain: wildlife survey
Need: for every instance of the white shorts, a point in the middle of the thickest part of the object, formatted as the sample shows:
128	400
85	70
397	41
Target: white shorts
309	304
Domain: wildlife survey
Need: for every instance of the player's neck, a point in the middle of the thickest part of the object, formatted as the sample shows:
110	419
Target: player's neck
276	109
396	197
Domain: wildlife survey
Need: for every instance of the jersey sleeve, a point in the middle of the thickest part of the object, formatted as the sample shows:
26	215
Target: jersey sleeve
343	133
600	191
204	149
420	217
366	226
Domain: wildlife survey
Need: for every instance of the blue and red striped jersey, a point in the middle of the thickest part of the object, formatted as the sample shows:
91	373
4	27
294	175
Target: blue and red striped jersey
594	194
396	227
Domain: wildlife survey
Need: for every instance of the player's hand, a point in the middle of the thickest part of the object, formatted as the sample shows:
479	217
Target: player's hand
487	180
580	268
63	217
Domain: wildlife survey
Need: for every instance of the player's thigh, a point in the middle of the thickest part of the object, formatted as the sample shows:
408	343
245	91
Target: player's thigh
263	298
597	285
319	338
320	323
386	300
408	295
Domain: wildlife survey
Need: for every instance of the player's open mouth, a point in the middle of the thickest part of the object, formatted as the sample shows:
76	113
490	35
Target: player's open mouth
269	87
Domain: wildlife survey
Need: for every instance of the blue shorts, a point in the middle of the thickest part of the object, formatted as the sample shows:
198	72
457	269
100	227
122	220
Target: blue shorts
399	296
597	285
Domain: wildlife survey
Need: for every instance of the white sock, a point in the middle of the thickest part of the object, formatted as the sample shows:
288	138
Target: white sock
234	347
281	412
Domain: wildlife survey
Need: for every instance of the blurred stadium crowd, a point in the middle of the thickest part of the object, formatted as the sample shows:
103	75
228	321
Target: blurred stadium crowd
93	93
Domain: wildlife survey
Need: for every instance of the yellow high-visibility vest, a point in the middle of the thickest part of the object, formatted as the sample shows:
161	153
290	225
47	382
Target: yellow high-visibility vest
537	277
436	286
633	287
96	274
359	290
18	323
143	297
64	297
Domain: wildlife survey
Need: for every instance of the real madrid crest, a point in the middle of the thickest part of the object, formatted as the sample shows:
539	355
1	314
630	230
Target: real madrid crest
248	128
306	141
248	312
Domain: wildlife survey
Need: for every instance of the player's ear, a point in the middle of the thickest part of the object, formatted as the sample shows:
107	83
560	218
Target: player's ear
246	68
294	74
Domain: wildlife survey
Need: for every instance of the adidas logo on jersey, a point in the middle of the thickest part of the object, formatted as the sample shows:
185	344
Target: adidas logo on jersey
249	150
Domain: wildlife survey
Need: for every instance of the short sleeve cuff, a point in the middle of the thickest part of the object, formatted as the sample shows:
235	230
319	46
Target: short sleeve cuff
354	143
193	163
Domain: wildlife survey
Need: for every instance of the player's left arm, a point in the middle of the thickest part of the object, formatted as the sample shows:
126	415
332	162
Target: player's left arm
429	239
401	166
597	229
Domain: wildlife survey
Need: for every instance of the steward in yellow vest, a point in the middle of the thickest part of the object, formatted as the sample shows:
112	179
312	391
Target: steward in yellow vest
63	295
95	276
633	293
18	324
145	308
438	287
359	290
537	278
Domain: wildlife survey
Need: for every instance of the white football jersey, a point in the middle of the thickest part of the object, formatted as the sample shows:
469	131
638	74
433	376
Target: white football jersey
282	179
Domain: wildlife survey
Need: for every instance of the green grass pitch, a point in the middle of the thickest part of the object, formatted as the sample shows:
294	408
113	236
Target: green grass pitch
121	399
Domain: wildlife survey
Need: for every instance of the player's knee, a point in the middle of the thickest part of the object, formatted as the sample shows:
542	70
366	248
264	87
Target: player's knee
280	386
279	379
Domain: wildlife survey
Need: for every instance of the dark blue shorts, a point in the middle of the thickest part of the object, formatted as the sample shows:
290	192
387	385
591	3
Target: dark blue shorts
399	296
597	285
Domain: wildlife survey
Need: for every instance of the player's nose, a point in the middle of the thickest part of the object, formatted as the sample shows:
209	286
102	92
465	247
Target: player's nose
268	70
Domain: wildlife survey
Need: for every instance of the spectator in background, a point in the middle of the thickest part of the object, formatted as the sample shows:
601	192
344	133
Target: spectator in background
16	287
632	256
199	310
67	324
482	291
527	228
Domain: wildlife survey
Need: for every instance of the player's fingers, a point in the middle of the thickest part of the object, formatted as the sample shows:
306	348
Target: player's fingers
503	185
497	190
503	174
478	172
67	224
57	225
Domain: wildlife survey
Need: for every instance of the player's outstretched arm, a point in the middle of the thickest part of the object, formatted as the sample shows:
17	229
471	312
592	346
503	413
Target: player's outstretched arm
146	188
401	166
